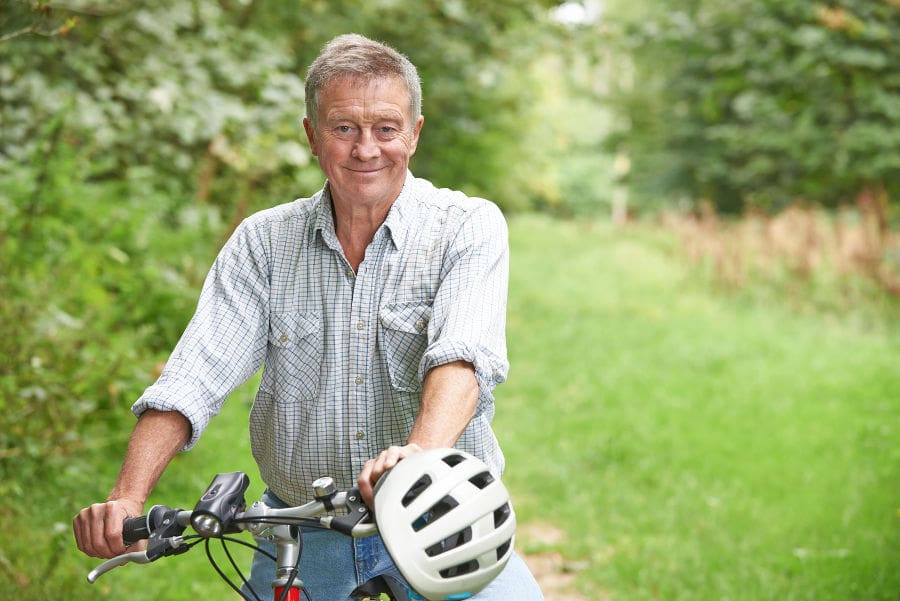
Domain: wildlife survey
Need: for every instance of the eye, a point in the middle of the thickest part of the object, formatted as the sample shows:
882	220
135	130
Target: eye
387	132
344	129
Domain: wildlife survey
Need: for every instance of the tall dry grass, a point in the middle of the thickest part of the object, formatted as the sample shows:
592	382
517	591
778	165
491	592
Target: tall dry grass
799	244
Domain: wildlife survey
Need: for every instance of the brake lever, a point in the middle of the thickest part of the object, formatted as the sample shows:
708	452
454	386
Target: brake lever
115	562
160	547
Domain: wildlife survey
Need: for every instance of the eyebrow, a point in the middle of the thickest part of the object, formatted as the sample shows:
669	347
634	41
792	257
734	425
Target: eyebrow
387	115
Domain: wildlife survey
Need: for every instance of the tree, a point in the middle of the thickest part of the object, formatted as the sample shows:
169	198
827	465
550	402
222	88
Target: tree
763	103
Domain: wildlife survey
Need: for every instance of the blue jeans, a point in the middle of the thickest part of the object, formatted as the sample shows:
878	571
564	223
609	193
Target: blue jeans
334	564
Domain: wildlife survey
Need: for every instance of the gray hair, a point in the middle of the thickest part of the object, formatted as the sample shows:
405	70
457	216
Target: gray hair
356	57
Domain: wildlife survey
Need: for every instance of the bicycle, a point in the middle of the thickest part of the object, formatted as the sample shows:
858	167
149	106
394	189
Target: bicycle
221	510
447	523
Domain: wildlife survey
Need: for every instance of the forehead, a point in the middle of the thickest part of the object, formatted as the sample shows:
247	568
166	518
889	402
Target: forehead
364	97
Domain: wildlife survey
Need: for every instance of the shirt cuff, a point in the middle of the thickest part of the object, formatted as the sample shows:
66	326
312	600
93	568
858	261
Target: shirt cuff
174	395
490	369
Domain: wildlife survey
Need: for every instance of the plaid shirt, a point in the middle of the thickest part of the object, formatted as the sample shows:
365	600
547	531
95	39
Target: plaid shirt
345	353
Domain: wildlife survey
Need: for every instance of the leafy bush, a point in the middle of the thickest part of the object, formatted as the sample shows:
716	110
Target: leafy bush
176	87
96	287
761	103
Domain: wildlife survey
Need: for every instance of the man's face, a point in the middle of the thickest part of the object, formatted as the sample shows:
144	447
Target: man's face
364	139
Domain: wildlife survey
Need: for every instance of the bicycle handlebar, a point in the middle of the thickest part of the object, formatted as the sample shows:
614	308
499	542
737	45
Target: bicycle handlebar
221	510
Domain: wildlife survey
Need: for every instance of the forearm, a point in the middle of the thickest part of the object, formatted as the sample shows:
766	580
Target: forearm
449	400
156	439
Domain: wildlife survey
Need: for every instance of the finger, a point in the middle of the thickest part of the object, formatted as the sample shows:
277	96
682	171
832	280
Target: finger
411	448
391	457
86	528
78	530
112	532
388	460
364	483
106	529
99	524
378	466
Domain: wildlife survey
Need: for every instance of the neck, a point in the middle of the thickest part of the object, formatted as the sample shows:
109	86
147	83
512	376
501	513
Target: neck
355	227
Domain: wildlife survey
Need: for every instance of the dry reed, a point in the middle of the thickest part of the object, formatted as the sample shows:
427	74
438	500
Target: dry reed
800	243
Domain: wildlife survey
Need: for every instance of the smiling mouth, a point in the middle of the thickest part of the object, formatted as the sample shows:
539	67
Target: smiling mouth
364	171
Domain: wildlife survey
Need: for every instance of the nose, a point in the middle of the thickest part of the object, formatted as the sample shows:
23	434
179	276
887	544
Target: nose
366	147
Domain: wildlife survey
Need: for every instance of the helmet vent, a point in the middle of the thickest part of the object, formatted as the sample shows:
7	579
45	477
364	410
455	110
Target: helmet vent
458	570
451	542
437	511
502	549
482	479
501	514
453	460
416	489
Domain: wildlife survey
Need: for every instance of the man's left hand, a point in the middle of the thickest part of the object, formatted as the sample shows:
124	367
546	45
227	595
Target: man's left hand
376	468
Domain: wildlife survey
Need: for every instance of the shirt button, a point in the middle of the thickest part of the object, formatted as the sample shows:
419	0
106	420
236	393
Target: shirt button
361	325
360	435
358	380
420	325
283	338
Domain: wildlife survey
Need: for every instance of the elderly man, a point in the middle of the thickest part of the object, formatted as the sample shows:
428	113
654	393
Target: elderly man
378	309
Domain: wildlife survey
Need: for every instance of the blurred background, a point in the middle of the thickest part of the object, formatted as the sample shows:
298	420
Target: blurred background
704	320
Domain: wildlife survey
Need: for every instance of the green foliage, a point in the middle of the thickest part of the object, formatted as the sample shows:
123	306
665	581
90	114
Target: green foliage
762	103
175	87
209	95
18	18
481	87
88	306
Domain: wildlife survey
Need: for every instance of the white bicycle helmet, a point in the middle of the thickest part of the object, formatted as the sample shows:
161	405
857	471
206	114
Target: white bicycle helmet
446	521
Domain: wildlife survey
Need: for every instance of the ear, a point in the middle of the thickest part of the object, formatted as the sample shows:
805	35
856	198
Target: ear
417	129
311	136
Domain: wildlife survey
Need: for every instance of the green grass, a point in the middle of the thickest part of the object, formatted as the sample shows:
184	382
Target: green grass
691	445
695	446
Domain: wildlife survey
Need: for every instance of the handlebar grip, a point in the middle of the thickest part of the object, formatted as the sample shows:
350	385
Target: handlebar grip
141	527
135	529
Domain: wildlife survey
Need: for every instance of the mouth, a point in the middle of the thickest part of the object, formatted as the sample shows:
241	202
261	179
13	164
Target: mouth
365	170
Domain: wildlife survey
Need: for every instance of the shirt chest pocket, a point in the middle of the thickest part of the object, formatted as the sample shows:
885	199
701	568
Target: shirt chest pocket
294	357
404	340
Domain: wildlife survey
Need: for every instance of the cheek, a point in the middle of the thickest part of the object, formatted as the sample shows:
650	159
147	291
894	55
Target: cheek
403	148
330	148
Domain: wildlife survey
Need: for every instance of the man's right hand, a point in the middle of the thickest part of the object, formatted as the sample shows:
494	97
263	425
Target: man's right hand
98	528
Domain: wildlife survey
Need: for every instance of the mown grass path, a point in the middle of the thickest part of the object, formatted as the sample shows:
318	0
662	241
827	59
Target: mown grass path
694	445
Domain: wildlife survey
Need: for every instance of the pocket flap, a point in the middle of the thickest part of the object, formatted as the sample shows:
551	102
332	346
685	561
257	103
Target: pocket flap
407	317
287	329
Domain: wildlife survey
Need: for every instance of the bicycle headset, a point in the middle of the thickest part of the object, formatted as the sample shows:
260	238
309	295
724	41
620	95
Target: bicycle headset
447	522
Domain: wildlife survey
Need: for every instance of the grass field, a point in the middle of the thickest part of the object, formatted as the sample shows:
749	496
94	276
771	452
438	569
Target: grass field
686	444
695	446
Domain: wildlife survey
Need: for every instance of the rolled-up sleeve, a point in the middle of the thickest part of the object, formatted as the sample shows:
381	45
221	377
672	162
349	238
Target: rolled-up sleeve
225	341
468	320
